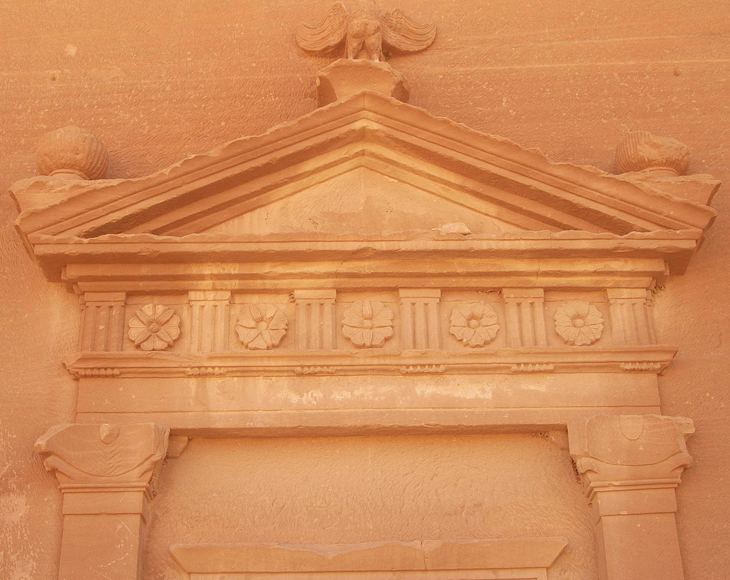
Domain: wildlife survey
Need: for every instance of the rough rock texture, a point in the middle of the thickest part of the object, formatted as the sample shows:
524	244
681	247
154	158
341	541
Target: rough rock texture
39	323
159	81
370	489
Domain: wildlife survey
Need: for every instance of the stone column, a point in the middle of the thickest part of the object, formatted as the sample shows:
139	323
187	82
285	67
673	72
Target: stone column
525	311
631	321
315	312
631	465
209	320
102	321
419	310
105	474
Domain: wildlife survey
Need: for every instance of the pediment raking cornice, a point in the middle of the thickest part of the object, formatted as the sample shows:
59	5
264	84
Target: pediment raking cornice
397	139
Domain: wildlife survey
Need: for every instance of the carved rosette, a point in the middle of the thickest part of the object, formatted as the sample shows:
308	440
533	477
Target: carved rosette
155	327
474	324
579	323
261	326
368	324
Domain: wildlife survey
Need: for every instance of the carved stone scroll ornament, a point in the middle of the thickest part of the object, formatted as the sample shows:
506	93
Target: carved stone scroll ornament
474	323
368	324
579	323
365	30
261	326
155	327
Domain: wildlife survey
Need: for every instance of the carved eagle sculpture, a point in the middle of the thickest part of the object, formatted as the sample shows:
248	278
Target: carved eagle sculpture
365	30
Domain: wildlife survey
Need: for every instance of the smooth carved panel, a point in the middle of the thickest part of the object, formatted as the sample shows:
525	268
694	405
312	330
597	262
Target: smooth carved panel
503	557
103	454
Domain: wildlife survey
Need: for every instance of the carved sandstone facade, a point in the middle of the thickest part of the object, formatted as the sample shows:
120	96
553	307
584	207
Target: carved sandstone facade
471	285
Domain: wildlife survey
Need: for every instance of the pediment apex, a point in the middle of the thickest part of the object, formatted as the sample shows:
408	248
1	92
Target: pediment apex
400	138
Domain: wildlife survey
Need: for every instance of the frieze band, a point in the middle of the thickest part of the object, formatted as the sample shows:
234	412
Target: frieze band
414	321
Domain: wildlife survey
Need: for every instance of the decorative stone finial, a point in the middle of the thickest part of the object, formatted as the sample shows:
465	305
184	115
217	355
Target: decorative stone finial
71	153
364	30
642	151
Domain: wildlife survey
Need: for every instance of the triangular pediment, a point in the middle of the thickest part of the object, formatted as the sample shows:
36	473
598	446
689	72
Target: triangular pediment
483	174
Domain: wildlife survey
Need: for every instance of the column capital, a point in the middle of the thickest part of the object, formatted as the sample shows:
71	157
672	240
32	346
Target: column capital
327	294
629	452
105	472
631	465
209	296
103	457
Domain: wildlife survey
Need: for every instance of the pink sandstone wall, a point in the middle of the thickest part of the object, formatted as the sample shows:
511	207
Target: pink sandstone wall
160	80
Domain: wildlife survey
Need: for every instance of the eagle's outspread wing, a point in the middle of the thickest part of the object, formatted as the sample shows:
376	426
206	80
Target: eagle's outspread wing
328	33
402	33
